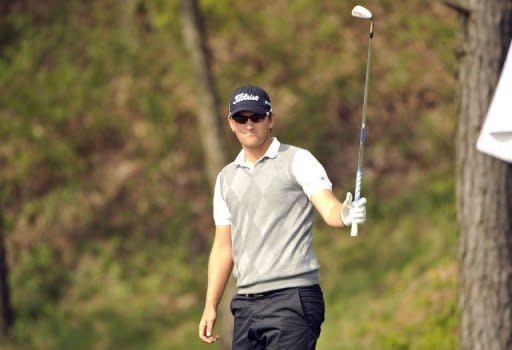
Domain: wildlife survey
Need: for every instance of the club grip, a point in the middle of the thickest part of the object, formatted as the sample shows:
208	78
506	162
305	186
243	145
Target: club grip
359	180
353	230
357	196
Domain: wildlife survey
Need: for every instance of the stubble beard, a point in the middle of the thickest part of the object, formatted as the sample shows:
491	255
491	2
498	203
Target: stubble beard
252	141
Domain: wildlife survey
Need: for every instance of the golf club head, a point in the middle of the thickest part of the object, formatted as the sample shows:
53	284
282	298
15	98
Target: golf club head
361	12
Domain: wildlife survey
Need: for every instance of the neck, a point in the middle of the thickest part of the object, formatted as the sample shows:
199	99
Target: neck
253	154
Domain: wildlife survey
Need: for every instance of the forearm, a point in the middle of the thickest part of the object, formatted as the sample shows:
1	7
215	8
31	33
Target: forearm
333	215
329	207
219	269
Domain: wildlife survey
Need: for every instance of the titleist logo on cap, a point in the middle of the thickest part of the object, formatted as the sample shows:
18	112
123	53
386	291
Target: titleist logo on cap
245	97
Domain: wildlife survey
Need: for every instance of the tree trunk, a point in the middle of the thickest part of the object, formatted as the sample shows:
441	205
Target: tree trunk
6	313
7	33
209	121
210	128
484	184
7	36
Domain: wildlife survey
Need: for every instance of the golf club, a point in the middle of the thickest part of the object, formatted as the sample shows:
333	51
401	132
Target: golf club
362	12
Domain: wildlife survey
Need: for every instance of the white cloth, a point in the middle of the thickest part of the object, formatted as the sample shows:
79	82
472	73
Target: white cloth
496	135
308	172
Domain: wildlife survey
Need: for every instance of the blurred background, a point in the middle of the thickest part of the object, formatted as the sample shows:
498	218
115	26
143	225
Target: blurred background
106	203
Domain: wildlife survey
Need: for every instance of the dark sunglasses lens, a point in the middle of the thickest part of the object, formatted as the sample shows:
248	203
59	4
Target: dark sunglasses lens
240	119
255	118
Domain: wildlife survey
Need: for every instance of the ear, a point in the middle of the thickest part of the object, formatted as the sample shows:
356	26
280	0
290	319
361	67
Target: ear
231	124
271	119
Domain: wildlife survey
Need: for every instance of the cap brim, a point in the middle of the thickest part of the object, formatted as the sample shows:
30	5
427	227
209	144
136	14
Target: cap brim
250	107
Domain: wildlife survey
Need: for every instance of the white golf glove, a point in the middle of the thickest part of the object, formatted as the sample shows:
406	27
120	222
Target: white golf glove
353	213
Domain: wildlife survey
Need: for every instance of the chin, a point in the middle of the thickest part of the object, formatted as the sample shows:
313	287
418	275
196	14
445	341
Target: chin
251	141
251	144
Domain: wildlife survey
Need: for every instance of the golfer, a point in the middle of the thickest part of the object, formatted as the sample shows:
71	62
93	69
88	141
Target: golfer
263	213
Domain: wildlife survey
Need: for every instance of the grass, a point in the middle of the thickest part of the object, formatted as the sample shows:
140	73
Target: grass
393	287
106	258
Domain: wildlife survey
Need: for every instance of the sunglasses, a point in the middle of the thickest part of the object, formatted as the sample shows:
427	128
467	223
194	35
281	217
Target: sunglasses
255	118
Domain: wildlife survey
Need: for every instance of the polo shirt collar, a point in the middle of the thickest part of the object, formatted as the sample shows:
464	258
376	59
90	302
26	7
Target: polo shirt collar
271	152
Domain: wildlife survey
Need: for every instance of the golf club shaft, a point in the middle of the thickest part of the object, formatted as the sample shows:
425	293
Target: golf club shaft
362	140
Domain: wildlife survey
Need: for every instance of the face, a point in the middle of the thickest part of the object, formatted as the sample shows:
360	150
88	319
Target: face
253	134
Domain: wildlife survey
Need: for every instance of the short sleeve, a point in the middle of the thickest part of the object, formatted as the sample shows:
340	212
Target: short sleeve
221	213
309	173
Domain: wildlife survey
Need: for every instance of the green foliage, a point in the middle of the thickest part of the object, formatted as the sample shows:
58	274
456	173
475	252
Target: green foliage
394	288
107	207
40	281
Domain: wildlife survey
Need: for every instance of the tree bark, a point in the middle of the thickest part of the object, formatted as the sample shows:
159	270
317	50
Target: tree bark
209	121
484	184
6	310
7	33
210	128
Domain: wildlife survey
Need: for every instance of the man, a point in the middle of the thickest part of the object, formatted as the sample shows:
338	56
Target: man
263	212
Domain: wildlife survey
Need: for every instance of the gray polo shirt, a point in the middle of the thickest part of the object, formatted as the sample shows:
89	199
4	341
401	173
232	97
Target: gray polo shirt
268	207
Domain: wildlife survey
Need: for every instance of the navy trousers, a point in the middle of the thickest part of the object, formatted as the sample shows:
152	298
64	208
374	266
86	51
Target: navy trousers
278	320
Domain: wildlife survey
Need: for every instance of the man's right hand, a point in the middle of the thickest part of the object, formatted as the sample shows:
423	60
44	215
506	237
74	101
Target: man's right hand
206	326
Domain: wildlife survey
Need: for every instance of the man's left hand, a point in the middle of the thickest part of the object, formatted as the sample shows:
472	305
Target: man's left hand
353	212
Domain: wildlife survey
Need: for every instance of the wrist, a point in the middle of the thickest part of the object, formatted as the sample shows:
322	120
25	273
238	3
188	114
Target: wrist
211	305
345	215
